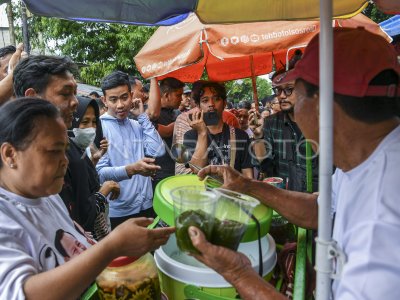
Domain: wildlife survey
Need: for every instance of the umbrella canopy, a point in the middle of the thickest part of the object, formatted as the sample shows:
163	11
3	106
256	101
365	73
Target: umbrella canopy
229	51
167	12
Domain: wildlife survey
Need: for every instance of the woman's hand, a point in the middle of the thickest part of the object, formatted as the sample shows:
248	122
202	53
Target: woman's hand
110	188
98	153
133	238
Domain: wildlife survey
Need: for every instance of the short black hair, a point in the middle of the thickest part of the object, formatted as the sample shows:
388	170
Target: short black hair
200	85
10	49
35	72
57	242
96	94
115	79
18	120
367	109
132	80
170	84
244	104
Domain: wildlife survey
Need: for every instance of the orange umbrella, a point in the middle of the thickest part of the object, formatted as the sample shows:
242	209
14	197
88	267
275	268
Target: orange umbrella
229	52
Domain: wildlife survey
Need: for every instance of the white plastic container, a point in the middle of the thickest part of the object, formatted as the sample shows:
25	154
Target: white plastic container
181	275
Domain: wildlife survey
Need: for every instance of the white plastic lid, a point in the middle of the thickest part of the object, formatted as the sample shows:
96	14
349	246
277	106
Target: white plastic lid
184	268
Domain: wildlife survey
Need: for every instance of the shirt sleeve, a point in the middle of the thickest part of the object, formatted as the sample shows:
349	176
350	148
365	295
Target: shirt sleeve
15	264
108	172
152	141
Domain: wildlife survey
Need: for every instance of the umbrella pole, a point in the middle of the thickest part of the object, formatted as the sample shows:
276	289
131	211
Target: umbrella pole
254	83
323	262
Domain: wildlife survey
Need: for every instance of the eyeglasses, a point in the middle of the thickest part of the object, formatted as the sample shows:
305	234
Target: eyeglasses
278	90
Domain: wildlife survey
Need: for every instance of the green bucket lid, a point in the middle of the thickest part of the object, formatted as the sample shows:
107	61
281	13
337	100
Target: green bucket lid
163	205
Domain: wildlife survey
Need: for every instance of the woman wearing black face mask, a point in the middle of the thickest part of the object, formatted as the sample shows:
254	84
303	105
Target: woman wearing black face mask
85	199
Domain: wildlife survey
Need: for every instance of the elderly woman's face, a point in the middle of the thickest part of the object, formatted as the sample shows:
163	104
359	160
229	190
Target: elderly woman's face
40	168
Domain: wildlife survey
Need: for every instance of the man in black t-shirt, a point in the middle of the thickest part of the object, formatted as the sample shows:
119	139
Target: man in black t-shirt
171	90
215	142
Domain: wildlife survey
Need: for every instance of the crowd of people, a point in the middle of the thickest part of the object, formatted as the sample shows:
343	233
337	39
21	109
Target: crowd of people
77	174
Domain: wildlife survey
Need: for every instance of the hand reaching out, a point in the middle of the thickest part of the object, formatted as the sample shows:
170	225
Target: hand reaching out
144	167
233	180
132	238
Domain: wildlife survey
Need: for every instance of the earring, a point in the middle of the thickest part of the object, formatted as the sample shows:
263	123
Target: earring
12	166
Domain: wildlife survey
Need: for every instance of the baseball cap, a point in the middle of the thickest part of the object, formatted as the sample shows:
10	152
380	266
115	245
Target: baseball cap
186	90
359	56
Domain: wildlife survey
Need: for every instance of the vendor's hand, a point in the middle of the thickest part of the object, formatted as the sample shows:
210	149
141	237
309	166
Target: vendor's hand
197	122
132	238
256	123
137	107
110	188
144	167
233	180
228	263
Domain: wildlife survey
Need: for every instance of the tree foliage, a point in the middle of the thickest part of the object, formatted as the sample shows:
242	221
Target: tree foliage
98	48
375	14
243	89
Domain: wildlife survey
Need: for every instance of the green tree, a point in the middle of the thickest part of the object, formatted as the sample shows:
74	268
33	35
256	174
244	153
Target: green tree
98	48
372	12
243	90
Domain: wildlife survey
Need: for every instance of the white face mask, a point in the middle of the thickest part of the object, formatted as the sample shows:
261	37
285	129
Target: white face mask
84	137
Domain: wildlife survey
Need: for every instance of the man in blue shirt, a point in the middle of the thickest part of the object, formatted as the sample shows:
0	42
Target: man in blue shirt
132	143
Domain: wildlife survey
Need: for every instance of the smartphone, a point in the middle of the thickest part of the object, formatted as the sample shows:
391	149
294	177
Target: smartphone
210	118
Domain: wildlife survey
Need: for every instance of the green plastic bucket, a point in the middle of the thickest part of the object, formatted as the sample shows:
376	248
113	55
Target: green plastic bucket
183	277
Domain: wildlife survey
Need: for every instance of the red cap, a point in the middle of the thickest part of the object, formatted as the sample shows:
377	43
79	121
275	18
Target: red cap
121	261
359	56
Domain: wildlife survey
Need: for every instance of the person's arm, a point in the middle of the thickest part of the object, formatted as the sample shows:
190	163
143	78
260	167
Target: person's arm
166	131
108	172
6	85
73	277
235	267
152	142
300	209
248	173
144	167
154	102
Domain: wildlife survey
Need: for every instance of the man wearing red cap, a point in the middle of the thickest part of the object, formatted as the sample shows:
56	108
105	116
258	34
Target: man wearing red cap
282	149
366	183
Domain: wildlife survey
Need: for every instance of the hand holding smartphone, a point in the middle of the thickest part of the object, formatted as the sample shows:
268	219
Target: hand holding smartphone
210	118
